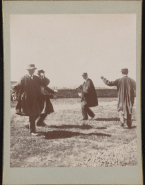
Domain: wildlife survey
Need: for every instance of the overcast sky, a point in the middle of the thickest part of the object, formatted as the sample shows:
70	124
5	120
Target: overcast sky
67	45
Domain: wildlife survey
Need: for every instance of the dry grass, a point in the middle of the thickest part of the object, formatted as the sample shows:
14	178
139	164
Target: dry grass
67	142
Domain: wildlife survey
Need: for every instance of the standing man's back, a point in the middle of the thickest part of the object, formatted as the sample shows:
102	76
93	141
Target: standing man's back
126	87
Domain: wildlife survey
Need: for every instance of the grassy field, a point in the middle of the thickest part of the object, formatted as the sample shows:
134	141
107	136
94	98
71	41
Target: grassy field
67	142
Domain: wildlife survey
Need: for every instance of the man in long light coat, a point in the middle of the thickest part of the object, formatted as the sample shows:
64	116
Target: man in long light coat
126	87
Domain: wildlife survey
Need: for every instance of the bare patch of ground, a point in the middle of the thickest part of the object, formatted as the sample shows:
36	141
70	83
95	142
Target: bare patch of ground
67	142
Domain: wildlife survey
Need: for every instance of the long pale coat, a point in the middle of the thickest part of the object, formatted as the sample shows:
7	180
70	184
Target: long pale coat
126	88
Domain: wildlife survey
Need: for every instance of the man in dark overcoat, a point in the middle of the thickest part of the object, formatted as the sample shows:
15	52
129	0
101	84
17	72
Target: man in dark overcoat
48	93
88	97
30	99
126	88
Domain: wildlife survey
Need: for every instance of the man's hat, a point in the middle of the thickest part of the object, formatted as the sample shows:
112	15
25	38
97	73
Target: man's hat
40	71
31	66
125	70
84	74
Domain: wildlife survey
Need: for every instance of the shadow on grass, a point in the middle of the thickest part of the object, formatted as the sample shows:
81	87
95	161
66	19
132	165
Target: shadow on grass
101	128
71	126
67	134
109	119
87	127
83	127
131	127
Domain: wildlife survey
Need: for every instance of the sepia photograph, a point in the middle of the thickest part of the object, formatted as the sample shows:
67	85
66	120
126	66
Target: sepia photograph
73	96
74	91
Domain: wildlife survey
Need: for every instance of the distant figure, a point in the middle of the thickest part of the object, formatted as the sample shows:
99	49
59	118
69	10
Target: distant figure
47	94
30	101
125	87
88	97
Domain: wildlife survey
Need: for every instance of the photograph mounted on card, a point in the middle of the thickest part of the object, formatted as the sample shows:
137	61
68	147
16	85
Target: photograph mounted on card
72	92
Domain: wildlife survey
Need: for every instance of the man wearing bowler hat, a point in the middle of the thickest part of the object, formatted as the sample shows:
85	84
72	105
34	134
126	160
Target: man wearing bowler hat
88	97
126	87
30	101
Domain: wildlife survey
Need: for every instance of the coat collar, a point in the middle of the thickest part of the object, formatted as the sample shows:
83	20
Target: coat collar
32	77
86	80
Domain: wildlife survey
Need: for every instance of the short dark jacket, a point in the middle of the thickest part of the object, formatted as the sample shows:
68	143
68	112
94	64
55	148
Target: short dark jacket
48	107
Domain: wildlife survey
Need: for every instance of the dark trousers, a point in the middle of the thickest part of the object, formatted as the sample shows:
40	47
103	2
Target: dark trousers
123	120
128	121
41	119
86	111
32	125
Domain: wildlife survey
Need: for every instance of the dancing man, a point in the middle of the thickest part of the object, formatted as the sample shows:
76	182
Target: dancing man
30	99
88	97
47	94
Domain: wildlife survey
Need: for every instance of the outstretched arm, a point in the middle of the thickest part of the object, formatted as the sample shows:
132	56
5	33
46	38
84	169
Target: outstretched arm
50	90
110	83
79	87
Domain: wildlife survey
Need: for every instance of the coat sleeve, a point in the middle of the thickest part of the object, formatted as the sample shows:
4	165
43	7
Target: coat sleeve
19	85
80	87
134	84
110	83
49	90
45	81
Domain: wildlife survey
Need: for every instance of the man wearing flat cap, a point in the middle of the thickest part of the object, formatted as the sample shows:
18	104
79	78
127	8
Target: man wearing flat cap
30	101
88	97
126	87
